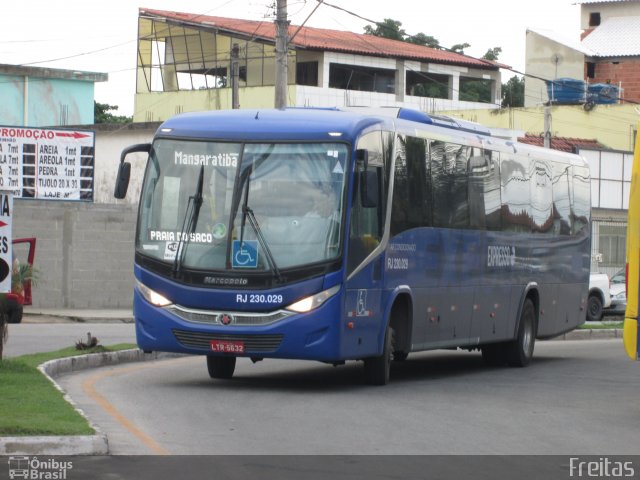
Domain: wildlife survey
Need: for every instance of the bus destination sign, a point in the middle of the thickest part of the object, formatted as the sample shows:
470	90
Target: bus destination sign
43	163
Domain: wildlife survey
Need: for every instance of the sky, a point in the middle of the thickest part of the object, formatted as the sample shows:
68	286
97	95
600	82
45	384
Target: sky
101	36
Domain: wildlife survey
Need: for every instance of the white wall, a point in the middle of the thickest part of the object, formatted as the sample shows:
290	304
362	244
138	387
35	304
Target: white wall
610	178
109	145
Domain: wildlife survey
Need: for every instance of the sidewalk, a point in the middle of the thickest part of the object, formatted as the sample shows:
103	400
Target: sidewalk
64	315
71	315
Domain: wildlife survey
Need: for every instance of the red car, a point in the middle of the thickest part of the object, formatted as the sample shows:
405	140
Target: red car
20	295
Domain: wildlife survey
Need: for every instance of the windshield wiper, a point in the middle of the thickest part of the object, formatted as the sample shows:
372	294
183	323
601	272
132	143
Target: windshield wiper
189	223
244	178
248	213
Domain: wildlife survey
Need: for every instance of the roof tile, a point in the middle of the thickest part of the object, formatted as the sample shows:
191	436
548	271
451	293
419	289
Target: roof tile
324	39
565	144
615	37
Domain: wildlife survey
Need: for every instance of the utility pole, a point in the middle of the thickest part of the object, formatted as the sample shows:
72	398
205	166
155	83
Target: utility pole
282	25
547	127
235	77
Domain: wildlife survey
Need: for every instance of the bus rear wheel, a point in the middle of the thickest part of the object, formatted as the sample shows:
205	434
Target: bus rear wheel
221	367
494	354
377	369
519	352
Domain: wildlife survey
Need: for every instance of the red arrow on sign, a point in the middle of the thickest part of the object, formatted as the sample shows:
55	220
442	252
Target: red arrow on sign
2	224
72	135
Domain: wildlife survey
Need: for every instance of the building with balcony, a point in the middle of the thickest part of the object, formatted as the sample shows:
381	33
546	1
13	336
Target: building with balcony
184	64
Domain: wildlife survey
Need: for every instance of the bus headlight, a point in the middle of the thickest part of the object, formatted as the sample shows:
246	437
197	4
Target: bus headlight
153	297
314	301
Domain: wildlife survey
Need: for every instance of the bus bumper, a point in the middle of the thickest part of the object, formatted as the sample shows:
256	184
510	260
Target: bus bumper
316	335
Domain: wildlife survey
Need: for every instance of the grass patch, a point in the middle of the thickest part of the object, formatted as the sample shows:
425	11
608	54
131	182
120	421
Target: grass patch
31	405
600	325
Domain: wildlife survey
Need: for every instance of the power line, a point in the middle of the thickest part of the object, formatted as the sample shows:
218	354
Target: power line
488	62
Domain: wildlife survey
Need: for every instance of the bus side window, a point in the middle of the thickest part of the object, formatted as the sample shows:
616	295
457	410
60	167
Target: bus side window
581	201
366	224
478	170
366	231
541	197
449	176
411	204
561	190
484	190
515	193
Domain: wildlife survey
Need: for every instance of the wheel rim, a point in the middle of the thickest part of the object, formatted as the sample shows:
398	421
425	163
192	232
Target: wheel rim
526	337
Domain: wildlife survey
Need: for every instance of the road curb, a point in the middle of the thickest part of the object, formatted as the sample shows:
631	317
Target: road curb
592	334
44	317
96	444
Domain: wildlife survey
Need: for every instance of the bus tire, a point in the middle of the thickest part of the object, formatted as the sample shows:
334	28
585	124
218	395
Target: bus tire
519	352
377	369
494	354
221	367
594	308
400	356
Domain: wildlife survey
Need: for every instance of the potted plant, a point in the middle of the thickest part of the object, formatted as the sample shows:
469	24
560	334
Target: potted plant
23	277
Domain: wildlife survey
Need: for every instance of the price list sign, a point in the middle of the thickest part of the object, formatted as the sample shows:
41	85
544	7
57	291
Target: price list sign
47	164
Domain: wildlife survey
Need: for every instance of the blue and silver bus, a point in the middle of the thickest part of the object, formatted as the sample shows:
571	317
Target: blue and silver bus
335	235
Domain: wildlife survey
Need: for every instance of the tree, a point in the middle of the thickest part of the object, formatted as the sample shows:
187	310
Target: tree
513	92
492	54
459	48
475	90
426	40
101	114
389	28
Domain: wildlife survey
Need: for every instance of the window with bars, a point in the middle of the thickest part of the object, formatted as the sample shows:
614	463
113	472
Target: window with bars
612	245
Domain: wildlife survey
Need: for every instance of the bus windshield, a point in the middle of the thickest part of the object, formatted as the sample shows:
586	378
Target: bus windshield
264	207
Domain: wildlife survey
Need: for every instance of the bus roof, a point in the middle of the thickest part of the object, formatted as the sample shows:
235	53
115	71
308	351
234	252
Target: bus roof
291	124
333	125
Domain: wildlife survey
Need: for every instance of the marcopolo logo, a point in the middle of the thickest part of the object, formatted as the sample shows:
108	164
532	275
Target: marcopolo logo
36	469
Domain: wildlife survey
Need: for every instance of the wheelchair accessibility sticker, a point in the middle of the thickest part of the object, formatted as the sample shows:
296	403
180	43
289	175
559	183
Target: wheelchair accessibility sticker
245	254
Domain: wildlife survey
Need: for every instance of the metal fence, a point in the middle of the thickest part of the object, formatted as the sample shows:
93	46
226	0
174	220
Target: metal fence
608	246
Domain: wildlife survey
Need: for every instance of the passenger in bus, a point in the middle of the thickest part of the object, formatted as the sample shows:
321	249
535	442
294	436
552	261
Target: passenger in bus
322	203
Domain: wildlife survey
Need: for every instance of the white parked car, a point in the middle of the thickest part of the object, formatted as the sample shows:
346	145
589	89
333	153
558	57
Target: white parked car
618	292
599	296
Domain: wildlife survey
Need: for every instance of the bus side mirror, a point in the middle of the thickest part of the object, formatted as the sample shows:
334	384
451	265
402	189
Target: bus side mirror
124	169
369	188
122	180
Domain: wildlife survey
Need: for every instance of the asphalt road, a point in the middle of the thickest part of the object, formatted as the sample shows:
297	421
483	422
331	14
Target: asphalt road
577	397
25	338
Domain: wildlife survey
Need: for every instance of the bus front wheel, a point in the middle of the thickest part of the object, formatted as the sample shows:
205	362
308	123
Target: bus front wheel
377	369
221	367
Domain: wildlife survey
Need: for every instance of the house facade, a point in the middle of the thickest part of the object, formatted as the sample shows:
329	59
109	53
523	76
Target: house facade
185	61
46	97
606	57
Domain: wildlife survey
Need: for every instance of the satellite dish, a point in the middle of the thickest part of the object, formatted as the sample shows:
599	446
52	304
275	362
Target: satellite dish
556	59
